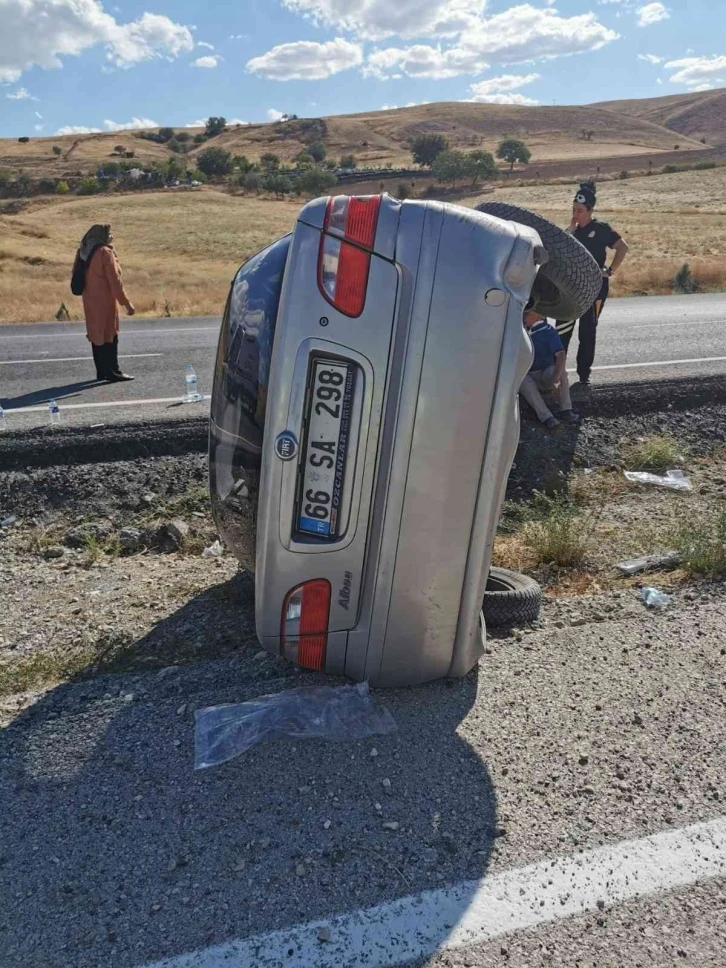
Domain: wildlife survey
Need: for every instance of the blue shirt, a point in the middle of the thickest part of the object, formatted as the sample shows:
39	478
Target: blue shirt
546	343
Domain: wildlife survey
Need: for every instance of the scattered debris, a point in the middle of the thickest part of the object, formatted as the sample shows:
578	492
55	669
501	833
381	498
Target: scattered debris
322	712
215	550
654	598
8	522
671	559
676	480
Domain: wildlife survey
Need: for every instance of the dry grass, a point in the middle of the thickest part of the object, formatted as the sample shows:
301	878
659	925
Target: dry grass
178	251
658	453
666	219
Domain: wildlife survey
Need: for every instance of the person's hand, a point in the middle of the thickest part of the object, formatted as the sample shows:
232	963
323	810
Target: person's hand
130	309
573	224
606	273
557	383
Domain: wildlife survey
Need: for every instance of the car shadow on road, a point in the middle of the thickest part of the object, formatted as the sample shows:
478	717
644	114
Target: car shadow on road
49	393
113	851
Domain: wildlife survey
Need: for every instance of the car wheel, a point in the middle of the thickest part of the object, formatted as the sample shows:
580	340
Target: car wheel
569	282
510	599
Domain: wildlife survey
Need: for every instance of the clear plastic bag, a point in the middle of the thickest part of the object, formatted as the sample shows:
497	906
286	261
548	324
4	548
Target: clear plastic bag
676	480
215	550
318	712
654	598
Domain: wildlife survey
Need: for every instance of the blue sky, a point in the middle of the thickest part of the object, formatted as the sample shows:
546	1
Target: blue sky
70	65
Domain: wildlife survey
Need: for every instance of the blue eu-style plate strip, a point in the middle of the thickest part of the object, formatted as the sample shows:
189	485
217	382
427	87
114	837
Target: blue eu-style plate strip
312	526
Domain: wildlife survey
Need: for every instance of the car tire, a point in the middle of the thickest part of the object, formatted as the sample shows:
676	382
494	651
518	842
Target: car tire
569	282
510	599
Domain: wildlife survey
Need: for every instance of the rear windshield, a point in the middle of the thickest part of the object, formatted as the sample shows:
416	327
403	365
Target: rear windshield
253	307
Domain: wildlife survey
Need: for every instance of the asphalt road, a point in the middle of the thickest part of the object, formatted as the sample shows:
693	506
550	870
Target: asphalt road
639	338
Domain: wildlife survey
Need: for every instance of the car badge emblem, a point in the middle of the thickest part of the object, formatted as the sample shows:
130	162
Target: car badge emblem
286	445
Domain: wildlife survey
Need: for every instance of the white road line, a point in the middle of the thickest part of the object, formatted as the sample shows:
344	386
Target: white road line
632	366
151	331
107	403
79	359
476	911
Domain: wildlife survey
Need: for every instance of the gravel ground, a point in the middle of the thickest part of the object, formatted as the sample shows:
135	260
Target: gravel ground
605	721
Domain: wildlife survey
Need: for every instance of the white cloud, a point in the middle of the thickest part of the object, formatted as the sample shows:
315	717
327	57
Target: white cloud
133	125
519	35
39	127
22	94
233	121
39	115
496	90
423	61
698	73
650	59
42	32
238	36
202	123
202	43
652	13
77	129
274	115
378	19
210	61
306	60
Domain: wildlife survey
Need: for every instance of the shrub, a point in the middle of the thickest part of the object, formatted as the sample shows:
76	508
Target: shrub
63	315
183	136
704	165
513	150
165	134
623	175
89	186
214	161
684	281
676	147
314	181
304	158
702	544
318	151
197	175
657	453
174	145
61	188
119	149
558	534
270	162
242	163
669	169
199	139
57	150
403	191
348	161
426	148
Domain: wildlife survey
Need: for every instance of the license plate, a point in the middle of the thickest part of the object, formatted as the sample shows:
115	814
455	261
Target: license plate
328	432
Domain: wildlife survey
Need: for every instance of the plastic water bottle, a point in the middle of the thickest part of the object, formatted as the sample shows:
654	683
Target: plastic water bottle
192	394
54	411
3	421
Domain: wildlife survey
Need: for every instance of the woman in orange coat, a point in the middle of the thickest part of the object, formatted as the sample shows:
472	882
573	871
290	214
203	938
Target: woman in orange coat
103	290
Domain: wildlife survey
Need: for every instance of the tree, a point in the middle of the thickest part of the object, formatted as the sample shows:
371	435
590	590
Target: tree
183	136
119	149
449	166
196	175
315	181
57	150
270	162
304	159
165	134
173	145
481	166
215	126
251	182
242	163
61	188
427	147
199	139
89	186
277	183
215	161
318	150
348	161
513	150
111	169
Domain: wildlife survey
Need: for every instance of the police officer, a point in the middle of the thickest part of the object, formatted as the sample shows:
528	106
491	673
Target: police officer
597	237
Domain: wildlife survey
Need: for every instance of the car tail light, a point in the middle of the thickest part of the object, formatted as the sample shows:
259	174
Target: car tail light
305	615
344	258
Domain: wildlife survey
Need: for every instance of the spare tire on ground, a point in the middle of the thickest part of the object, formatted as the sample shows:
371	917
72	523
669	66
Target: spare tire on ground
569	282
510	599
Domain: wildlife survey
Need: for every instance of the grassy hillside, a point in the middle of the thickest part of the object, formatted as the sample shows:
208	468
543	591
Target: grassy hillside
179	251
378	138
698	115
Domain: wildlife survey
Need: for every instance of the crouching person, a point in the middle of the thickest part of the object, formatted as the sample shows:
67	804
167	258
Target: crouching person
548	373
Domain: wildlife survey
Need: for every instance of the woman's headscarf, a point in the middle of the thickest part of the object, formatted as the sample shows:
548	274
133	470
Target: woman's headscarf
585	194
95	236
